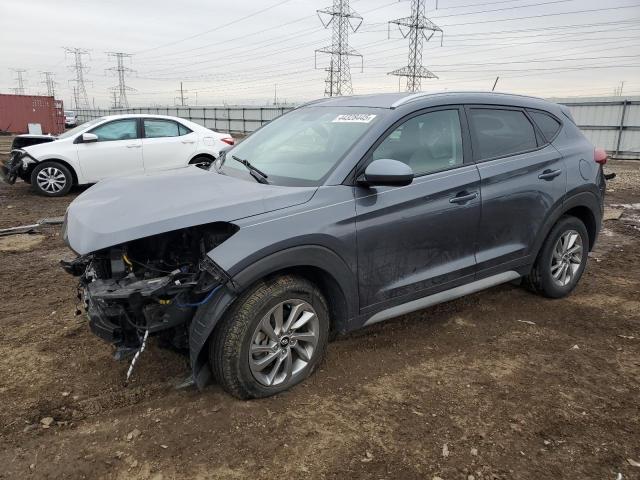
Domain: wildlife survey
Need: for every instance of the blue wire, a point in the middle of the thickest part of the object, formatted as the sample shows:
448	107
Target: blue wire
201	302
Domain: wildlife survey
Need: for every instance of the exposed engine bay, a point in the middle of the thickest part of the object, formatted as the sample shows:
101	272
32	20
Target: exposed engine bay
150	286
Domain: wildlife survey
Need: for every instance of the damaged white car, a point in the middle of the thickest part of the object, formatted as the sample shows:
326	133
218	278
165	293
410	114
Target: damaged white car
113	146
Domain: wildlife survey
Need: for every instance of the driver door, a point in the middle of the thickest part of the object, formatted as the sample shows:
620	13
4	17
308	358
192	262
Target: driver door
117	152
419	239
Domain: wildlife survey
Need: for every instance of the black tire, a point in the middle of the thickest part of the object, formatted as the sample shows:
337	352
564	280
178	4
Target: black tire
540	279
201	161
229	349
53	170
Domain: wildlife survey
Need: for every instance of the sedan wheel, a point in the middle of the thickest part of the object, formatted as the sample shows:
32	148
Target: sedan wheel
51	179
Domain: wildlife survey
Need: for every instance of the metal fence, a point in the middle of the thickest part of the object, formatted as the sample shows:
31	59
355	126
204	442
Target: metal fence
612	123
242	120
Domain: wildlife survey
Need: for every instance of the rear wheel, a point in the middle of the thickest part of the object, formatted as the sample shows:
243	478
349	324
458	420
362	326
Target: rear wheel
273	338
561	260
51	179
201	161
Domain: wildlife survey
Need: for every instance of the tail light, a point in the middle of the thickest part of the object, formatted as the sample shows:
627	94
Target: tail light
600	156
228	140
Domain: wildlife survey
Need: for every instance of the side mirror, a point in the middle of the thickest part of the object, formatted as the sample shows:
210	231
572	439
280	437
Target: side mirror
89	137
387	172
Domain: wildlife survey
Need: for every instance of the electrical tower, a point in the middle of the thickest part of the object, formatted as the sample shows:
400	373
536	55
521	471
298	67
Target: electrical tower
182	98
121	71
342	18
50	83
79	91
417	28
19	89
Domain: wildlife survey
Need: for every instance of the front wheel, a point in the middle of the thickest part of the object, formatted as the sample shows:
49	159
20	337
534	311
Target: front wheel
51	179
561	260
273	338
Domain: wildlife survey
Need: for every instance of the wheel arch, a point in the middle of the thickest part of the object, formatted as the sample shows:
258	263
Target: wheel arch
197	155
584	205
318	264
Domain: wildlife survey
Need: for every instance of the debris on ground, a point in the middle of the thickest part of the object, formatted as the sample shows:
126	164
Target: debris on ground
20	243
528	322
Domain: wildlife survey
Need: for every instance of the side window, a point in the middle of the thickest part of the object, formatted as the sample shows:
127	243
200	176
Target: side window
183	130
427	143
155	128
498	133
117	130
548	125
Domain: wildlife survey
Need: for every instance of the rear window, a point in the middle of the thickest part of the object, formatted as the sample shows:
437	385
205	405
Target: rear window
548	125
498	133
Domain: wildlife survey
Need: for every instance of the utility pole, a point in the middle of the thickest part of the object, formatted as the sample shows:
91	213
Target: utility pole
417	28
50	83
80	91
342	18
182	98
120	70
19	89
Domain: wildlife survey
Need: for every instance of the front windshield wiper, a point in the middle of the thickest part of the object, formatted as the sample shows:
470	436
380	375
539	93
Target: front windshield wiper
255	173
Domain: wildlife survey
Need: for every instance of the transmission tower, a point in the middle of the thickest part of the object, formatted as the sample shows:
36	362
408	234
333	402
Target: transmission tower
181	100
342	18
121	71
417	28
80	91
50	83
19	89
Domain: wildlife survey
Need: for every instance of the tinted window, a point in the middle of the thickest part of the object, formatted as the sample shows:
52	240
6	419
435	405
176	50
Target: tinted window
183	130
501	132
548	125
160	128
117	130
427	143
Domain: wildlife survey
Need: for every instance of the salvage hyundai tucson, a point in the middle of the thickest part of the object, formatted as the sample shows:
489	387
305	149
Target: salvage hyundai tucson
339	214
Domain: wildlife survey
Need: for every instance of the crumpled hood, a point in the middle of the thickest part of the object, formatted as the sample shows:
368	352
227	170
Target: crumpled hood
119	210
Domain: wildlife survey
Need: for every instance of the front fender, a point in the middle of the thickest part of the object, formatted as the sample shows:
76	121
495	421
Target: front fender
208	315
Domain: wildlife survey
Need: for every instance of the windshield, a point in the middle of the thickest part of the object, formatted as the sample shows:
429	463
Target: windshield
79	128
69	114
302	147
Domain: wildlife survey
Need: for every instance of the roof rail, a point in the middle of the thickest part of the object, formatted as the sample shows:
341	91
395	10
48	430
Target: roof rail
409	98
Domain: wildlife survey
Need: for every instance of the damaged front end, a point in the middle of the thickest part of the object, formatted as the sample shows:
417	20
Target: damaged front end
20	164
150	286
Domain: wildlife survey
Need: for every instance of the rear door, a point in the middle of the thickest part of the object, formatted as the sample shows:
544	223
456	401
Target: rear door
522	177
117	152
166	144
420	238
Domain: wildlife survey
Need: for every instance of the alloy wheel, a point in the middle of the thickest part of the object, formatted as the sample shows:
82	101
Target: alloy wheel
284	342
51	180
566	258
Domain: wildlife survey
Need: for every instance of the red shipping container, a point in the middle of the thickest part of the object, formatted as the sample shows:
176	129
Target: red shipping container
18	111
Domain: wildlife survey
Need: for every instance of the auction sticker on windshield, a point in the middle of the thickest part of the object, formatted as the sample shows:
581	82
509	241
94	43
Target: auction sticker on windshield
354	118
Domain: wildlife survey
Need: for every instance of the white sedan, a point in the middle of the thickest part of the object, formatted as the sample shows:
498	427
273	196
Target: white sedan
115	145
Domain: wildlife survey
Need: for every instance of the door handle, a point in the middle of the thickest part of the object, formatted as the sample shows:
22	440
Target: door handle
188	141
134	145
463	197
549	174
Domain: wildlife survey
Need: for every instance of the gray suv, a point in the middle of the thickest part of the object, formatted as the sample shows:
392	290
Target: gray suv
340	214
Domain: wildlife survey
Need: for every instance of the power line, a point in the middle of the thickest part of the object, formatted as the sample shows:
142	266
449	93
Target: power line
216	28
418	25
342	18
121	72
80	97
50	83
19	89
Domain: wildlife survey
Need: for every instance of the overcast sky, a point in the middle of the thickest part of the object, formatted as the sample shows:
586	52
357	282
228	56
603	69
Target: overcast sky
238	51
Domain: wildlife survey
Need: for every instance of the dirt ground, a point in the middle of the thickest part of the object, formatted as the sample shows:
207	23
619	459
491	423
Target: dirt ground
499	385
